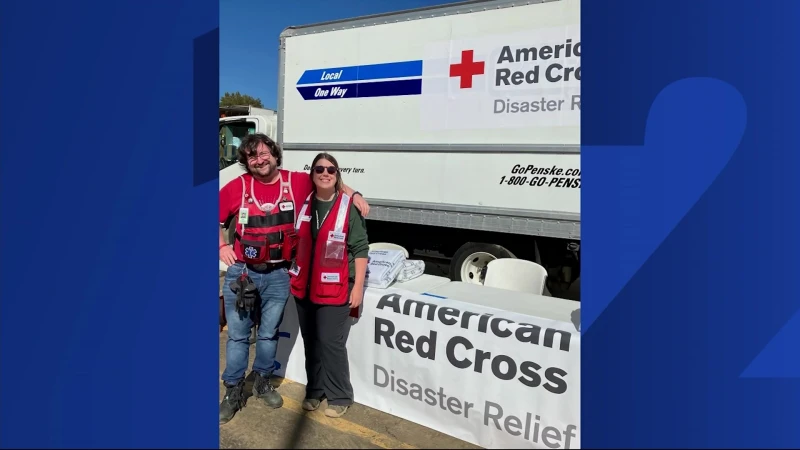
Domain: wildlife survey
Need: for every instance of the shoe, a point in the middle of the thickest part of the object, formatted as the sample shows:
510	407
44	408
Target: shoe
336	411
311	404
233	401
263	389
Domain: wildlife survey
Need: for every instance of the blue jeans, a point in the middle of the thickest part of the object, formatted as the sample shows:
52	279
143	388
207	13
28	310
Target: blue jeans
273	287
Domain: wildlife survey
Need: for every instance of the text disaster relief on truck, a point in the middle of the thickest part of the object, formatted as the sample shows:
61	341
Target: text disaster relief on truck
460	123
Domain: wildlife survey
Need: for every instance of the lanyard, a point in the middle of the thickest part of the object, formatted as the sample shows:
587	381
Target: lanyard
316	212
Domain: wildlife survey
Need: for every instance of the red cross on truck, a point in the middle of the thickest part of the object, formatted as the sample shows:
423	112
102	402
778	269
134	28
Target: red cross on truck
467	68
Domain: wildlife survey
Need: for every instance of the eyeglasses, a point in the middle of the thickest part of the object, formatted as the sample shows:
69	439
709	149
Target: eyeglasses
263	155
331	170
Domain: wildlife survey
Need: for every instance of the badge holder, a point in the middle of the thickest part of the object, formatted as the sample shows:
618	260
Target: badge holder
335	249
334	253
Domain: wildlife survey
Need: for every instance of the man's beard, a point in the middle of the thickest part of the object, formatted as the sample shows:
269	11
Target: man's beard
263	171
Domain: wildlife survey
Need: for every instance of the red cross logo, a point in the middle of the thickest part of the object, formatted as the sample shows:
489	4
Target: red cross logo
466	69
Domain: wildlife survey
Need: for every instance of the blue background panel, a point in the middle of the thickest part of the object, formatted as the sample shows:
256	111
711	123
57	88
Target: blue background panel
108	299
107	304
690	202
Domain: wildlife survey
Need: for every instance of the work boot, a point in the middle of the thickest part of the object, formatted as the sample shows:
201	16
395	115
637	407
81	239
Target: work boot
311	404
336	411
263	389
233	401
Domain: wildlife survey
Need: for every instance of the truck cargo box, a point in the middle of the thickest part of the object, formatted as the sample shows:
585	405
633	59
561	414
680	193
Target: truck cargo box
464	115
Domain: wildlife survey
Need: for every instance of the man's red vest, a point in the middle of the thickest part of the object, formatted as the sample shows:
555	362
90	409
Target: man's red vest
268	235
325	278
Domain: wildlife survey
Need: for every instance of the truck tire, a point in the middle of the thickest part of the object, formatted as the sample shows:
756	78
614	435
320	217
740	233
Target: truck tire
469	262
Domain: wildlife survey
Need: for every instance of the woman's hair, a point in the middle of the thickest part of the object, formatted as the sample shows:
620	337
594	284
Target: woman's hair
328	157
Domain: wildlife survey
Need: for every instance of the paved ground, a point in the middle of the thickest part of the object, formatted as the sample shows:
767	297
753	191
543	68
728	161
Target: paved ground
291	427
258	426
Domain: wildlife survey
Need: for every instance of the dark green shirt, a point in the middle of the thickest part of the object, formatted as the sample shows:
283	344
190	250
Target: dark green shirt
357	241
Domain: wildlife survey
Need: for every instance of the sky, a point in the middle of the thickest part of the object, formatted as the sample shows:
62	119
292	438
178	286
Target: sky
249	31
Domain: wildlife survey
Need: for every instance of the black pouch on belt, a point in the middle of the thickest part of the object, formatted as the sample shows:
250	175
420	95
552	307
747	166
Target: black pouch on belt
246	293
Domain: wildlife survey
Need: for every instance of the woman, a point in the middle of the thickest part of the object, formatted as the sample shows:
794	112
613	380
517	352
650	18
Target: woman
327	281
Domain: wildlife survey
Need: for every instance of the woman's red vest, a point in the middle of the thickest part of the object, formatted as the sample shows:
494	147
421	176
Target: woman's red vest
321	273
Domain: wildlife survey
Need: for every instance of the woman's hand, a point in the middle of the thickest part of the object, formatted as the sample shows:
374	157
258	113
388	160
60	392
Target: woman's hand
356	295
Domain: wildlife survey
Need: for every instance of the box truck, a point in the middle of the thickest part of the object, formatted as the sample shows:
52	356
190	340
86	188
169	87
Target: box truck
460	124
236	122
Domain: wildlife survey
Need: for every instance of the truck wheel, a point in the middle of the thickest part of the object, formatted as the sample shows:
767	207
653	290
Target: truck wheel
470	261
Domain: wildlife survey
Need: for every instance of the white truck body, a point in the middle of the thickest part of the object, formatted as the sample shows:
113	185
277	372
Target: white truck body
261	120
381	93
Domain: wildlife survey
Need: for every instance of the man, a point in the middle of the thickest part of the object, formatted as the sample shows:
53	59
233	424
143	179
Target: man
263	203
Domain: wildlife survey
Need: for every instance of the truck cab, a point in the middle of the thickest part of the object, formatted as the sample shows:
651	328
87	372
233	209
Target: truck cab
236	122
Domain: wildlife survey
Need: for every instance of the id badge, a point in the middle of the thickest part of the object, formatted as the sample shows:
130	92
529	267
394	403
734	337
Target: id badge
244	214
286	206
334	236
295	269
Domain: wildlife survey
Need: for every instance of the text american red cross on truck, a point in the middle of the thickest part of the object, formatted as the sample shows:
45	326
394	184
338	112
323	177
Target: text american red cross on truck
466	69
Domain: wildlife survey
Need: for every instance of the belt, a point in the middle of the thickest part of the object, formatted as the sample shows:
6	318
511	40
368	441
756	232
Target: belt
267	267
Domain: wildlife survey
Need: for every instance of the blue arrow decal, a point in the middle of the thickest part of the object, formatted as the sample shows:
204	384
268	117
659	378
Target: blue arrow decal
403	69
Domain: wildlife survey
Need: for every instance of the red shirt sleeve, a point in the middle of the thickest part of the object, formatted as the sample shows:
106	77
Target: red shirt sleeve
301	186
230	199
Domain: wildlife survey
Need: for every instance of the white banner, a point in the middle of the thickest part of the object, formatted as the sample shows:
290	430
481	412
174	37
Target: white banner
493	378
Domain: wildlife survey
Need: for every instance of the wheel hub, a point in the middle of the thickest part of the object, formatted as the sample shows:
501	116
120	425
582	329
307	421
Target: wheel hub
473	270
